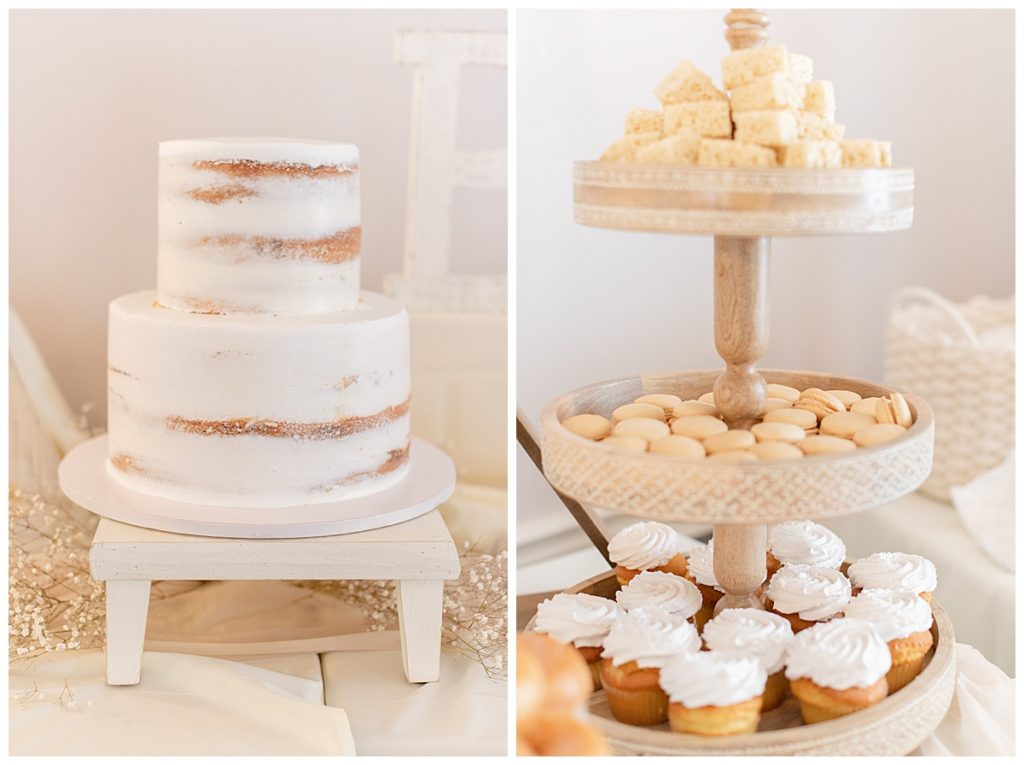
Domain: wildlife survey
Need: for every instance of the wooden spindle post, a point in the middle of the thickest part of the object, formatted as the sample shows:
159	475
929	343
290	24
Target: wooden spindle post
741	338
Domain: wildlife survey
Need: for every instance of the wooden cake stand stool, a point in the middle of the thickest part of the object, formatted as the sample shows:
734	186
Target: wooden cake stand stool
414	549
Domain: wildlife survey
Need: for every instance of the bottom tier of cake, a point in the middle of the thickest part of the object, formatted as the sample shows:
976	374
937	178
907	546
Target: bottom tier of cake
258	411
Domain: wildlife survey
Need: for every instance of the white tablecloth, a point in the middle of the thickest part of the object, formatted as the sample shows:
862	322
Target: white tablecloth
184	705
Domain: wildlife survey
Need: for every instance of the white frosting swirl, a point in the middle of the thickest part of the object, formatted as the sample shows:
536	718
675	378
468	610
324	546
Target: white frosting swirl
751	631
581	620
895	614
709	678
650	636
812	592
701	565
840	654
901	572
806	543
655	588
644	545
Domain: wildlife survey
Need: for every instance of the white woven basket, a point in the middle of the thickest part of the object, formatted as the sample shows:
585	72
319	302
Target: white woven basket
939	351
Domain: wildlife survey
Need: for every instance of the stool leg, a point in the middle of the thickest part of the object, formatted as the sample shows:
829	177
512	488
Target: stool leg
419	625
127	609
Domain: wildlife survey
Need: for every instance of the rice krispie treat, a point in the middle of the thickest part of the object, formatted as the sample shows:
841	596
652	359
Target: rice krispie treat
815	127
776	91
718	153
625	149
710	119
867	153
645	121
679	149
751	64
811	154
820	98
776	128
687	83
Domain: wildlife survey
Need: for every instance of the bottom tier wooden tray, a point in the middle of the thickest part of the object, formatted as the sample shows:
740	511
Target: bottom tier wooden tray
894	726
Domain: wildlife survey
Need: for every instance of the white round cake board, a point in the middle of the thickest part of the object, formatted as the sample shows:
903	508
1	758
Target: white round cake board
431	480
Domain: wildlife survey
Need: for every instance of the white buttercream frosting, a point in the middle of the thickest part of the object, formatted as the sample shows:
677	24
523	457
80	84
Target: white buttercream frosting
895	614
701	566
656	588
258	226
806	543
710	678
579	619
812	592
258	411
644	545
840	654
901	572
751	631
650	636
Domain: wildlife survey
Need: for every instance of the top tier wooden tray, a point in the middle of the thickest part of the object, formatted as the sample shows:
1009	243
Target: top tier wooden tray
742	202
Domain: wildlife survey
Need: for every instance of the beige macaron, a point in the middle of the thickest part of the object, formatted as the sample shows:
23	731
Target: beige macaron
642	427
678	446
691	408
666	401
771	404
820	402
848	397
588	425
845	424
776	390
778	431
733	456
815	445
698	426
626	443
776	450
799	417
729	441
893	409
865	406
879	433
631	411
707	398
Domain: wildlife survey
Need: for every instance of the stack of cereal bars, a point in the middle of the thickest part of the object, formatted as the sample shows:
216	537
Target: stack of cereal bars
776	115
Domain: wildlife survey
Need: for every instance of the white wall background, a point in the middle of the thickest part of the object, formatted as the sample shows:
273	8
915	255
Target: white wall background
92	92
595	304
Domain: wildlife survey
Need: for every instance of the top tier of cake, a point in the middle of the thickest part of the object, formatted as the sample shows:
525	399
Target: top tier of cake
258	226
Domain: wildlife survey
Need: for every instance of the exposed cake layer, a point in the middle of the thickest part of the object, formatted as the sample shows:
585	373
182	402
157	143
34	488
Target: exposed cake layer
258	411
258	226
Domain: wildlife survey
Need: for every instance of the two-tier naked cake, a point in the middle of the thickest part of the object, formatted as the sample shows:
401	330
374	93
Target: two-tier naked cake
257	374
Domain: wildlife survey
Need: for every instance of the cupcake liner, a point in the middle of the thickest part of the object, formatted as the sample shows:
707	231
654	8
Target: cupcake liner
637	707
595	674
775	691
716	721
901	674
818	704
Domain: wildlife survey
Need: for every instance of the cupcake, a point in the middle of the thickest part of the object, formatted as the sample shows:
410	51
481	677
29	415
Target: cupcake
837	668
714	694
669	592
582	621
646	546
900	572
751	631
904	621
805	595
804	543
700	569
639	644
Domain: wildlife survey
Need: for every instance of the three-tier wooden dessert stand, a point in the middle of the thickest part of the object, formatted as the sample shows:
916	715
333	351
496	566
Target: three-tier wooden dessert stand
743	209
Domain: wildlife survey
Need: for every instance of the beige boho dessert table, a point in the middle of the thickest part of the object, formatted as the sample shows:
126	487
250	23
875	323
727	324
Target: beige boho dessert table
743	208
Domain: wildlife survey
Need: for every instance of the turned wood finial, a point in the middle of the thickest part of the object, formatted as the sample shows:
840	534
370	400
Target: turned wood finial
746	28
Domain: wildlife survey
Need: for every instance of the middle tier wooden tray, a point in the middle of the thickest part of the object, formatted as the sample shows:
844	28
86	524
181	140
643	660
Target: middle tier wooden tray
895	726
685	489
